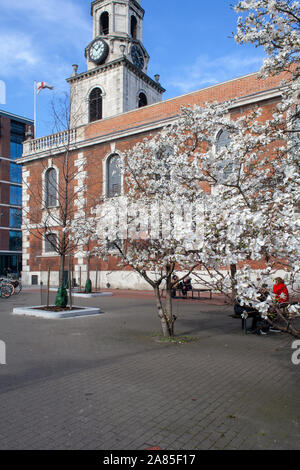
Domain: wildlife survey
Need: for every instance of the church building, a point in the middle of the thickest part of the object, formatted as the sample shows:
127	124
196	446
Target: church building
113	104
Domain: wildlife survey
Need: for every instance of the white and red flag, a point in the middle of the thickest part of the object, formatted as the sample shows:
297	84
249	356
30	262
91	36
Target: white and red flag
42	86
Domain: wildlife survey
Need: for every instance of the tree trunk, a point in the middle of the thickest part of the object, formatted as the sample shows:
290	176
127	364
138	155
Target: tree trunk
88	284
161	313
169	306
61	296
233	281
62	270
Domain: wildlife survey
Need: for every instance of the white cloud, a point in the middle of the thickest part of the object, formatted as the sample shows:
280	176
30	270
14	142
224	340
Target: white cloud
206	71
64	13
41	39
17	52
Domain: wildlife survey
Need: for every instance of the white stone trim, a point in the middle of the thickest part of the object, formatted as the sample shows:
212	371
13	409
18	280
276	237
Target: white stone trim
10	182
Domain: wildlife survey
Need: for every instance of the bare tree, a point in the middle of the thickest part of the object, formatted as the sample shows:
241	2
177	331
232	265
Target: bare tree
60	193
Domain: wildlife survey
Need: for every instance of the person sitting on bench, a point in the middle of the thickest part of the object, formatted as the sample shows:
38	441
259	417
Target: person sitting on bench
176	285
263	326
187	286
280	291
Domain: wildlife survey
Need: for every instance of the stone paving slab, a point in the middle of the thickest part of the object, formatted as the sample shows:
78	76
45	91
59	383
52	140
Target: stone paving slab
105	383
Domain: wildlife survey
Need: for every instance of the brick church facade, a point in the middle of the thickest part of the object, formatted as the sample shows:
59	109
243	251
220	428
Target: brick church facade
114	105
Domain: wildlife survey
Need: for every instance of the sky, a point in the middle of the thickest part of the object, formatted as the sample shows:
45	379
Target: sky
190	45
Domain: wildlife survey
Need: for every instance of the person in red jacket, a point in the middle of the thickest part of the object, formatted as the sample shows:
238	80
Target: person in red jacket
280	291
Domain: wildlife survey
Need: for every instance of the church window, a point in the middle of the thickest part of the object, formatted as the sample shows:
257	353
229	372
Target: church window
104	24
142	100
133	27
95	105
113	179
51	242
51	188
223	140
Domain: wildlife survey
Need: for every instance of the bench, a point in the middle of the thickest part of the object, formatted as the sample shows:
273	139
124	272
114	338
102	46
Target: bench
253	313
250	314
198	291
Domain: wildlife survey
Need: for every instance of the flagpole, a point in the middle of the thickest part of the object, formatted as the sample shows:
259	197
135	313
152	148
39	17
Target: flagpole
34	108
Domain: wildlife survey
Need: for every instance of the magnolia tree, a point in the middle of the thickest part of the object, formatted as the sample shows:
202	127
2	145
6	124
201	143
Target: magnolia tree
152	229
239	188
192	202
252	210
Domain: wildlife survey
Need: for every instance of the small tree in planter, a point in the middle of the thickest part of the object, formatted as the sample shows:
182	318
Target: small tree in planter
57	197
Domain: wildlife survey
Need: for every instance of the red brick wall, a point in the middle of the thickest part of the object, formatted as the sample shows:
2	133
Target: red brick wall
5	137
4	239
236	88
96	154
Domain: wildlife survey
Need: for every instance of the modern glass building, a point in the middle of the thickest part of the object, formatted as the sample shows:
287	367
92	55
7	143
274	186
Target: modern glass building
13	131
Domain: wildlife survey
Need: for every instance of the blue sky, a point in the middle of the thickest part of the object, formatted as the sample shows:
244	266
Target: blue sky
189	44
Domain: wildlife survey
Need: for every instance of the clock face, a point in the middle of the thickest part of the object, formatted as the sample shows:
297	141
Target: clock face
98	51
137	56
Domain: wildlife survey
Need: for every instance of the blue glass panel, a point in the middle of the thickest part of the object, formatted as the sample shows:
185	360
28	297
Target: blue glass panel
15	173
15	241
16	150
15	195
15	218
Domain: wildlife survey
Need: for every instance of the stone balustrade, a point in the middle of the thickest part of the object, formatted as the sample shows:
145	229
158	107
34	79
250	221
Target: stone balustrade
65	139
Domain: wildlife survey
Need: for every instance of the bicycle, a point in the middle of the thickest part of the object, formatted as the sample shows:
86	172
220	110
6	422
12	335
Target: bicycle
15	281
17	286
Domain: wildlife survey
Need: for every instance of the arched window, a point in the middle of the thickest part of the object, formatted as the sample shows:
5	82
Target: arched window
51	188
133	27
295	128
113	176
104	24
95	105
50	242
142	100
223	140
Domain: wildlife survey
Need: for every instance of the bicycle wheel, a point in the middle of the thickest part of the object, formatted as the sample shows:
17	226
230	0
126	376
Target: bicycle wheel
7	290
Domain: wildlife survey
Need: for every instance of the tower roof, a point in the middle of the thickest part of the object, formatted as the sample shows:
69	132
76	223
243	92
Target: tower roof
136	2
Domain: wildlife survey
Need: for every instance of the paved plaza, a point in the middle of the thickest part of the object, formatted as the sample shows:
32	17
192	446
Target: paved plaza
107	382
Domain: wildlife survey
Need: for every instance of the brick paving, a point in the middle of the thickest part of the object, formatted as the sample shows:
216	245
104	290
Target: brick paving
106	382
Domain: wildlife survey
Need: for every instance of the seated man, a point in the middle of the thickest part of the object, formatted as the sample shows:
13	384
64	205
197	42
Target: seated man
259	325
187	286
176	285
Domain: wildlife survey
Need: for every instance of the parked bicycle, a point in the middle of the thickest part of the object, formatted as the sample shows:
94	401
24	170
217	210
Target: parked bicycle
12	279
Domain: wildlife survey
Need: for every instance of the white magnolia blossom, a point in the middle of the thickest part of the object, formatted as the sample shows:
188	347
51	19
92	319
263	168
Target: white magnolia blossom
273	24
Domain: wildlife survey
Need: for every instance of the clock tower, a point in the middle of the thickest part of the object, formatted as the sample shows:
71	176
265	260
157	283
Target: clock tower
116	79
